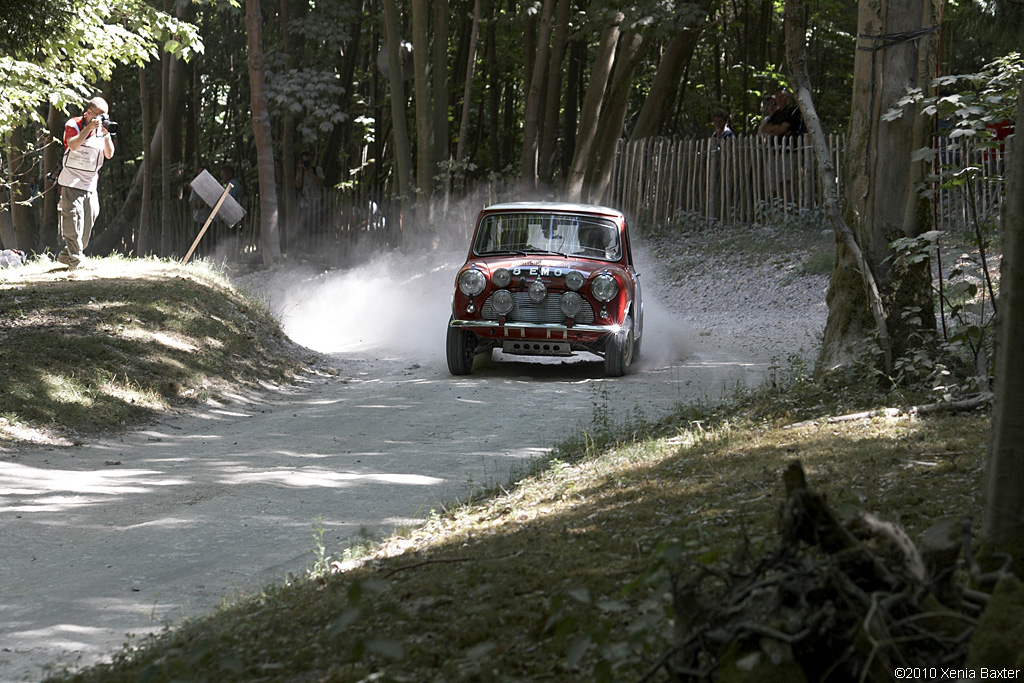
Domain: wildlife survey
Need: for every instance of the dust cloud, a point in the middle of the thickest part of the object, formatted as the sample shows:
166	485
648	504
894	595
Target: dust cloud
391	304
667	338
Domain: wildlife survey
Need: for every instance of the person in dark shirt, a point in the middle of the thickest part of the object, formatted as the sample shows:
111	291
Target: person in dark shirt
783	117
784	125
720	121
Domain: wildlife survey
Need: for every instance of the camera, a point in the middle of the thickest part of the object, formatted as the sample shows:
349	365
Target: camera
111	126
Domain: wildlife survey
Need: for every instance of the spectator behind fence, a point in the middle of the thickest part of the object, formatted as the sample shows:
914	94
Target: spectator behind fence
309	183
720	121
784	125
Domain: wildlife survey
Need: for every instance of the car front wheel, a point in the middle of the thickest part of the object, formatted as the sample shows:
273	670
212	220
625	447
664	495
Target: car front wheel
460	348
618	354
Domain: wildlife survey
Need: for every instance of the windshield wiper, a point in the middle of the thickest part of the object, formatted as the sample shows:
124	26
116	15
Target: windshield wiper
553	253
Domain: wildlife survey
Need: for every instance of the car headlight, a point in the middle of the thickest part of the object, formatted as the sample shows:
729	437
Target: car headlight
537	291
574	280
604	287
571	304
502	301
501	277
472	282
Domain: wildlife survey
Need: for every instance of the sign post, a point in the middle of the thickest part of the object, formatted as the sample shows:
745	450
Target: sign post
219	200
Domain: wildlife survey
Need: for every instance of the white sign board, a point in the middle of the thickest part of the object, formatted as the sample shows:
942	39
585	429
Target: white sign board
209	190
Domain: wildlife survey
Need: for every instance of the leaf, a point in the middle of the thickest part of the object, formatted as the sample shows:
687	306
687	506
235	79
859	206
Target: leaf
924	154
347	618
480	650
577	649
387	647
613	606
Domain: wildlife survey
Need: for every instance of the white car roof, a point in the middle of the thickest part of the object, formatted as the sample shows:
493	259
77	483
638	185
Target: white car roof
554	206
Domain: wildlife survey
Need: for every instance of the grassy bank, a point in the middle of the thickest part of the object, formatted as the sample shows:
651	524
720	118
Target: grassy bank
121	341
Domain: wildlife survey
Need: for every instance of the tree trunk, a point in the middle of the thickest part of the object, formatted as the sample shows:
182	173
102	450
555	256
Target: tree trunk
591	110
661	98
533	100
467	90
26	233
570	111
424	111
796	56
895	50
332	161
288	222
613	117
118	234
142	244
494	89
402	154
49	231
553	98
270	239
1004	469
166	112
440	60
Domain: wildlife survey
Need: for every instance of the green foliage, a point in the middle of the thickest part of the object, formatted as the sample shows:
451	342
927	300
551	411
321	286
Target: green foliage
975	31
954	359
27	24
967	103
309	95
67	67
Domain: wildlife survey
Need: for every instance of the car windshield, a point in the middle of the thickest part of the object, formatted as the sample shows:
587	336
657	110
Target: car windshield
548	233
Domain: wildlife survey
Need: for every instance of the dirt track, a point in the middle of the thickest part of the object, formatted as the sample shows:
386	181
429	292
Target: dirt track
121	535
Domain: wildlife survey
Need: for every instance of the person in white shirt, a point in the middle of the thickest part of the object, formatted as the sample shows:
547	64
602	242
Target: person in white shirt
87	144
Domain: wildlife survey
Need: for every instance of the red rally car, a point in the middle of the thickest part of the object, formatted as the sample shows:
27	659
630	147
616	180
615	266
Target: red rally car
547	279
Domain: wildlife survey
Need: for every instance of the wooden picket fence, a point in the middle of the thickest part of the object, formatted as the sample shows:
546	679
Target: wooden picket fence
746	179
974	196
743	179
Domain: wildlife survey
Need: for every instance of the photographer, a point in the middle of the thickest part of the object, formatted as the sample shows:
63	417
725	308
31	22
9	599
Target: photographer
88	143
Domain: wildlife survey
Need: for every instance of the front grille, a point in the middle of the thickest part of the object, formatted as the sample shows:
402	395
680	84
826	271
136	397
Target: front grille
524	310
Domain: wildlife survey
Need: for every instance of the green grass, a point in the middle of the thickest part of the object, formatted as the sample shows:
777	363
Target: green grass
819	262
122	341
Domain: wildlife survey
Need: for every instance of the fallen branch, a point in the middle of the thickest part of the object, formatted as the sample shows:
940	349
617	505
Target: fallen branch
925	409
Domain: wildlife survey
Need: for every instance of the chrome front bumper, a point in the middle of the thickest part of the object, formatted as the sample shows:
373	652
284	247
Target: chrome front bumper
554	331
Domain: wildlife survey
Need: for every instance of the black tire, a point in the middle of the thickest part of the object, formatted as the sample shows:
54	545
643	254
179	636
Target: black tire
618	352
460	349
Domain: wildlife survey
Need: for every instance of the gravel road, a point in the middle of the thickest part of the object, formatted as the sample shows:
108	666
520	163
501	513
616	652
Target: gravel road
123	535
